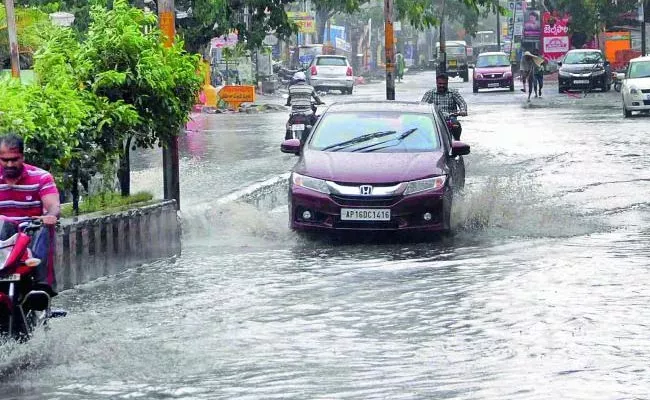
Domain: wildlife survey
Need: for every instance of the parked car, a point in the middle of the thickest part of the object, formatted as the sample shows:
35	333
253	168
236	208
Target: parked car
493	70
376	165
330	72
636	86
584	69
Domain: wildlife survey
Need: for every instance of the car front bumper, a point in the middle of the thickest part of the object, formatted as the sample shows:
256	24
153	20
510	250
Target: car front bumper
637	102
407	212
493	83
593	81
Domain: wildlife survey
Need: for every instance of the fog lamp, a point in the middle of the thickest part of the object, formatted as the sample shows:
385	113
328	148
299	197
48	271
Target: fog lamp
306	214
427	216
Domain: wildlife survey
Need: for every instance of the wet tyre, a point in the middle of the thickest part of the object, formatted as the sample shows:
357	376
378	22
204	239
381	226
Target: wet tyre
512	87
475	89
626	113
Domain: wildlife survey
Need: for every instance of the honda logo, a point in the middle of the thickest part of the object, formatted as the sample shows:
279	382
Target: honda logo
365	190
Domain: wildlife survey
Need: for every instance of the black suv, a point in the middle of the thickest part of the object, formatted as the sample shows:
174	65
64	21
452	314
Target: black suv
584	69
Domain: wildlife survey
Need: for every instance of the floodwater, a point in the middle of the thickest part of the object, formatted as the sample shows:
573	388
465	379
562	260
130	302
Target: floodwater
541	293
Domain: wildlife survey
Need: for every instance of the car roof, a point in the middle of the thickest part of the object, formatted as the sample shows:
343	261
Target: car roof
640	59
493	53
381	105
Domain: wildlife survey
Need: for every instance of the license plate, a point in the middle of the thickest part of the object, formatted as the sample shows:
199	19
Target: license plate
581	81
10	278
365	214
493	85
452	62
298	127
647	96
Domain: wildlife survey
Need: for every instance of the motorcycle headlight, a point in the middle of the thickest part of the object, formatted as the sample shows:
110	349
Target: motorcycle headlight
307	182
422	185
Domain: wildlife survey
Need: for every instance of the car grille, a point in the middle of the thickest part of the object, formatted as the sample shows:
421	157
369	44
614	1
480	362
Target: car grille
493	76
645	91
356	201
646	102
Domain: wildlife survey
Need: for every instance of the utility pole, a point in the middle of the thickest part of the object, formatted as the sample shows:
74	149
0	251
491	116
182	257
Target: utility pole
171	176
643	32
498	28
13	39
389	43
442	67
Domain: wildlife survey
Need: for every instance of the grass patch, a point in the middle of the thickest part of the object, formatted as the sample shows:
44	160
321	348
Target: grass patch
106	202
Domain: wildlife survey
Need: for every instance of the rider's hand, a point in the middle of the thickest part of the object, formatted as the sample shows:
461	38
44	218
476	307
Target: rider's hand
49	219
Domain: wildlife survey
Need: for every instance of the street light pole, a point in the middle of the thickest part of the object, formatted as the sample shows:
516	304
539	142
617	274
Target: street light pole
171	175
498	31
389	44
13	39
643	32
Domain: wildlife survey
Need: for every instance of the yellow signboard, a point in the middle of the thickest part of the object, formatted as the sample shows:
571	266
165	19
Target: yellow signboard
304	20
236	95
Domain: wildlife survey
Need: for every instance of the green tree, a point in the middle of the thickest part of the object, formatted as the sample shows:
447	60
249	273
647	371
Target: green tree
30	22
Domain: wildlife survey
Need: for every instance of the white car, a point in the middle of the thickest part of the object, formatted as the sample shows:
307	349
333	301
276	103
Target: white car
636	86
328	72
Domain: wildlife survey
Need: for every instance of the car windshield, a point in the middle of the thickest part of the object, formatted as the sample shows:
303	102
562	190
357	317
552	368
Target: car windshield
583	58
455	50
331	61
494	60
380	132
639	69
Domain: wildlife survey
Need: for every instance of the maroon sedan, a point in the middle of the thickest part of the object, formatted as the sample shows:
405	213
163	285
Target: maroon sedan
376	166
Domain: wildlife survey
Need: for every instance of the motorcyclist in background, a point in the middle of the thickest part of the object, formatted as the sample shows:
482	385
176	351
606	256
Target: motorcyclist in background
300	96
300	101
449	102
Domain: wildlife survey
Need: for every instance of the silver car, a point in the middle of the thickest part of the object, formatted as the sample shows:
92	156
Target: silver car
330	72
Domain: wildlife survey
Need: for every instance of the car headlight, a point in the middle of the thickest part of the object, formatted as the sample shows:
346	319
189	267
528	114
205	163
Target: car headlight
599	71
507	74
564	73
634	91
308	182
421	185
479	76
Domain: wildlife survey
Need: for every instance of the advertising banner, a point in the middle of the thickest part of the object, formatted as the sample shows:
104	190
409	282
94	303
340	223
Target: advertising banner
532	24
555	34
304	20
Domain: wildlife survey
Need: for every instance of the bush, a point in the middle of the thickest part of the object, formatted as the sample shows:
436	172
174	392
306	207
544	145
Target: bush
107	202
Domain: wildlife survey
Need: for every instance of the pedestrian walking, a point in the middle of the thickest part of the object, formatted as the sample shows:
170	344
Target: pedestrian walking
538	82
401	65
527	67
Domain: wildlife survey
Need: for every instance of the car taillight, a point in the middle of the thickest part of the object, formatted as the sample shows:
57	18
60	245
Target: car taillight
314	70
349	72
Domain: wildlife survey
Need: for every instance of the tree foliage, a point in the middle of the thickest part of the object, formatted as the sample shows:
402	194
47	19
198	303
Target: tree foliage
92	97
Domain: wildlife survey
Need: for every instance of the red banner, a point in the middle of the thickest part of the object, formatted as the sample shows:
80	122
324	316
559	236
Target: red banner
555	36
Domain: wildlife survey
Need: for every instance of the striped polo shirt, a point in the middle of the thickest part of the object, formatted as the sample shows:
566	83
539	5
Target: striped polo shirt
23	199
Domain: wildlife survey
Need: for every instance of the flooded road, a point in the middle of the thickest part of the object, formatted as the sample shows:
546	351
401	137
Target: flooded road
541	293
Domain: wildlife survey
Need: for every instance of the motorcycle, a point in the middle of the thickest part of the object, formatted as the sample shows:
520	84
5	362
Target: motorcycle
617	82
300	122
454	126
23	307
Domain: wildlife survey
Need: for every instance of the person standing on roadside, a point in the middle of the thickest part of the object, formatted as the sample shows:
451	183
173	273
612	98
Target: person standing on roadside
401	66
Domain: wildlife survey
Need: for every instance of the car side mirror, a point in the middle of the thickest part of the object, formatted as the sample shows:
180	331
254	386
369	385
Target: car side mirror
620	76
291	146
559	64
459	148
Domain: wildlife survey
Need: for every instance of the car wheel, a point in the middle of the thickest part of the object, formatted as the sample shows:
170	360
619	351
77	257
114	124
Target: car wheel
475	89
609	87
626	113
512	87
560	89
446	212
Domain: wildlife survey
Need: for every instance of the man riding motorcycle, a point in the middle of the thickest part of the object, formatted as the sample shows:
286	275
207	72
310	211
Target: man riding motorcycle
449	102
300	100
27	191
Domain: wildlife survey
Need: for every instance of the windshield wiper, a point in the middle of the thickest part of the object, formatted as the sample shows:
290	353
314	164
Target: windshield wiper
360	139
397	140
